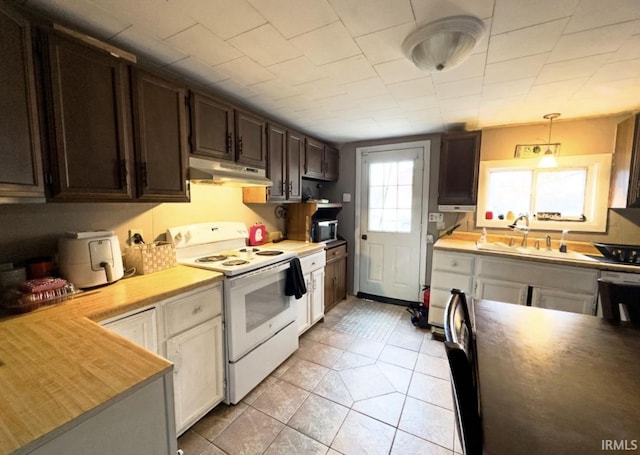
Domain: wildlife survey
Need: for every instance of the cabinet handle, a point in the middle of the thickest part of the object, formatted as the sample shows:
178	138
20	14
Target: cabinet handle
123	173
240	145
268	191
284	187
197	310
290	186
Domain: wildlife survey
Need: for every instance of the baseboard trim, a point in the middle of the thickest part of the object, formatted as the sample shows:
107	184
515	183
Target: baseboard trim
379	298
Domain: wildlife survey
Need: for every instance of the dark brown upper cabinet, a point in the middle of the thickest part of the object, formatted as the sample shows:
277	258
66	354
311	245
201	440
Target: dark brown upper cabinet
160	130
320	161
212	127
251	139
21	177
459	164
88	108
295	153
625	173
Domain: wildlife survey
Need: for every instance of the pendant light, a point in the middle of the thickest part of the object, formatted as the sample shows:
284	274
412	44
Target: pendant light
548	158
443	44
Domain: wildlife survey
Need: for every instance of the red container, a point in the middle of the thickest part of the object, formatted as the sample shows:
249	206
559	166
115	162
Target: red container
257	234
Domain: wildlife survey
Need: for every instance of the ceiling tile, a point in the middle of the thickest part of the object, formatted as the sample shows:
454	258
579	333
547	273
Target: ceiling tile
571	69
464	103
525	41
265	45
298	71
418	103
630	49
385	45
456	89
201	43
197	70
86	16
327	44
350	69
596	13
295	17
437	9
366	16
398	71
383	101
411	89
518	68
592	42
245	71
159	19
516	14
322	88
226	18
627	69
276	88
366	88
145	46
556	90
492	92
234	89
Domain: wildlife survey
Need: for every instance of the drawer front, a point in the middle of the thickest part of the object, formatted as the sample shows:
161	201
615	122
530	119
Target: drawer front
313	262
453	262
445	281
571	279
337	252
193	308
509	270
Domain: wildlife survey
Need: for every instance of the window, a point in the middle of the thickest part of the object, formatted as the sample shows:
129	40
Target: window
573	195
390	189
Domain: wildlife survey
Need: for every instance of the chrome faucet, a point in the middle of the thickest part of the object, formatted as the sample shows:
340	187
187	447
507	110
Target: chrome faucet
524	229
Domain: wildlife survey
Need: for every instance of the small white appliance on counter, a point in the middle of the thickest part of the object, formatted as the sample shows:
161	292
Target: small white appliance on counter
89	259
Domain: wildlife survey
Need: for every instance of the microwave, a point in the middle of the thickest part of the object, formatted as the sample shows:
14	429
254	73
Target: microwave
323	231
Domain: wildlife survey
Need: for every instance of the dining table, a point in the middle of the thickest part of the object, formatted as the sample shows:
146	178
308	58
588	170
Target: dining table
554	382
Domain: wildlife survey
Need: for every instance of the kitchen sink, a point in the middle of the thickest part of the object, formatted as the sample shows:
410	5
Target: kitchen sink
528	251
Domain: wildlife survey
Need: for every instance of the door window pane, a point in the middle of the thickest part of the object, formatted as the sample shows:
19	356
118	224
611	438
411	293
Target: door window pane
390	196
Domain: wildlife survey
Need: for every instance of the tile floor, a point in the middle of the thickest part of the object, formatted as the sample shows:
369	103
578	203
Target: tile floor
364	381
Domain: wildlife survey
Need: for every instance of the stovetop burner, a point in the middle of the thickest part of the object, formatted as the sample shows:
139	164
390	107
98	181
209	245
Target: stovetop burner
233	262
269	253
212	258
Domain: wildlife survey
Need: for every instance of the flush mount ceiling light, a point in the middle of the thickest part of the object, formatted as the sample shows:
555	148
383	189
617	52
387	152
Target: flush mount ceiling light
443	44
549	157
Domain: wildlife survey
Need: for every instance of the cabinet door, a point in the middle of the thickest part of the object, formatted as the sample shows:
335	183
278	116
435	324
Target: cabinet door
90	123
141	328
303	305
341	279
501	291
564	301
317	295
212	129
198	371
251	146
277	160
331	163
21	170
295	154
459	164
161	138
313	159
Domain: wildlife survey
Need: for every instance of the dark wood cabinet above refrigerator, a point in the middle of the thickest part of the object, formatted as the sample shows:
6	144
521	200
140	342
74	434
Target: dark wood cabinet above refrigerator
625	172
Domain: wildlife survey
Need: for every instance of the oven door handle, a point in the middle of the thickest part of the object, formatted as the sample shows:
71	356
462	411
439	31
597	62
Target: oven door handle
264	272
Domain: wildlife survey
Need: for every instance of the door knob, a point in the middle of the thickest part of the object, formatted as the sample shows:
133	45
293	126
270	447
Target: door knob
363	236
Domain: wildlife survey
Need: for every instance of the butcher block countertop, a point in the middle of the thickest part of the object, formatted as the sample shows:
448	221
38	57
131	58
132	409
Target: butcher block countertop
57	363
466	242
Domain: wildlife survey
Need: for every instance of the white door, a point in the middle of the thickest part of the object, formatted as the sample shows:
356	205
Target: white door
391	222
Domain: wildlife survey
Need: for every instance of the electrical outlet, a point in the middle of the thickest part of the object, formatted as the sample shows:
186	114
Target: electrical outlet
441	225
132	233
436	217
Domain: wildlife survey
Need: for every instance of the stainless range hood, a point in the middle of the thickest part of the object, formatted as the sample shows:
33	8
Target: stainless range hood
224	173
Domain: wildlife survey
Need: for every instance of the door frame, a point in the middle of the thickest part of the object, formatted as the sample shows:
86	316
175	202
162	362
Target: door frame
426	158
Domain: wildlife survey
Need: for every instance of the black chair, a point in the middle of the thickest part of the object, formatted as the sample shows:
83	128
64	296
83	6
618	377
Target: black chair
461	353
614	294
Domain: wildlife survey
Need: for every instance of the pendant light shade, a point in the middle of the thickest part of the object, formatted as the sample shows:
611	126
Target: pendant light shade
443	44
548	158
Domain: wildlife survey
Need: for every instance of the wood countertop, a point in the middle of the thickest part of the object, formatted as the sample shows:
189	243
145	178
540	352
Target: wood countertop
465	242
57	365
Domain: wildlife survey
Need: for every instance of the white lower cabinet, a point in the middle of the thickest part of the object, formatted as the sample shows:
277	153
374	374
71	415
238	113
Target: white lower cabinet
193	327
563	301
449	270
501	291
310	308
139	326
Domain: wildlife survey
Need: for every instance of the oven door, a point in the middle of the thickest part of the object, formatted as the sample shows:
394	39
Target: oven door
256	307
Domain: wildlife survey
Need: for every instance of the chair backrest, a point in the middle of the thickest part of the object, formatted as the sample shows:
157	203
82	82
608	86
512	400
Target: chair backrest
614	294
461	354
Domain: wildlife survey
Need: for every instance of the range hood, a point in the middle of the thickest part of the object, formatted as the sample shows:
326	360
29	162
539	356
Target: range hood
224	173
